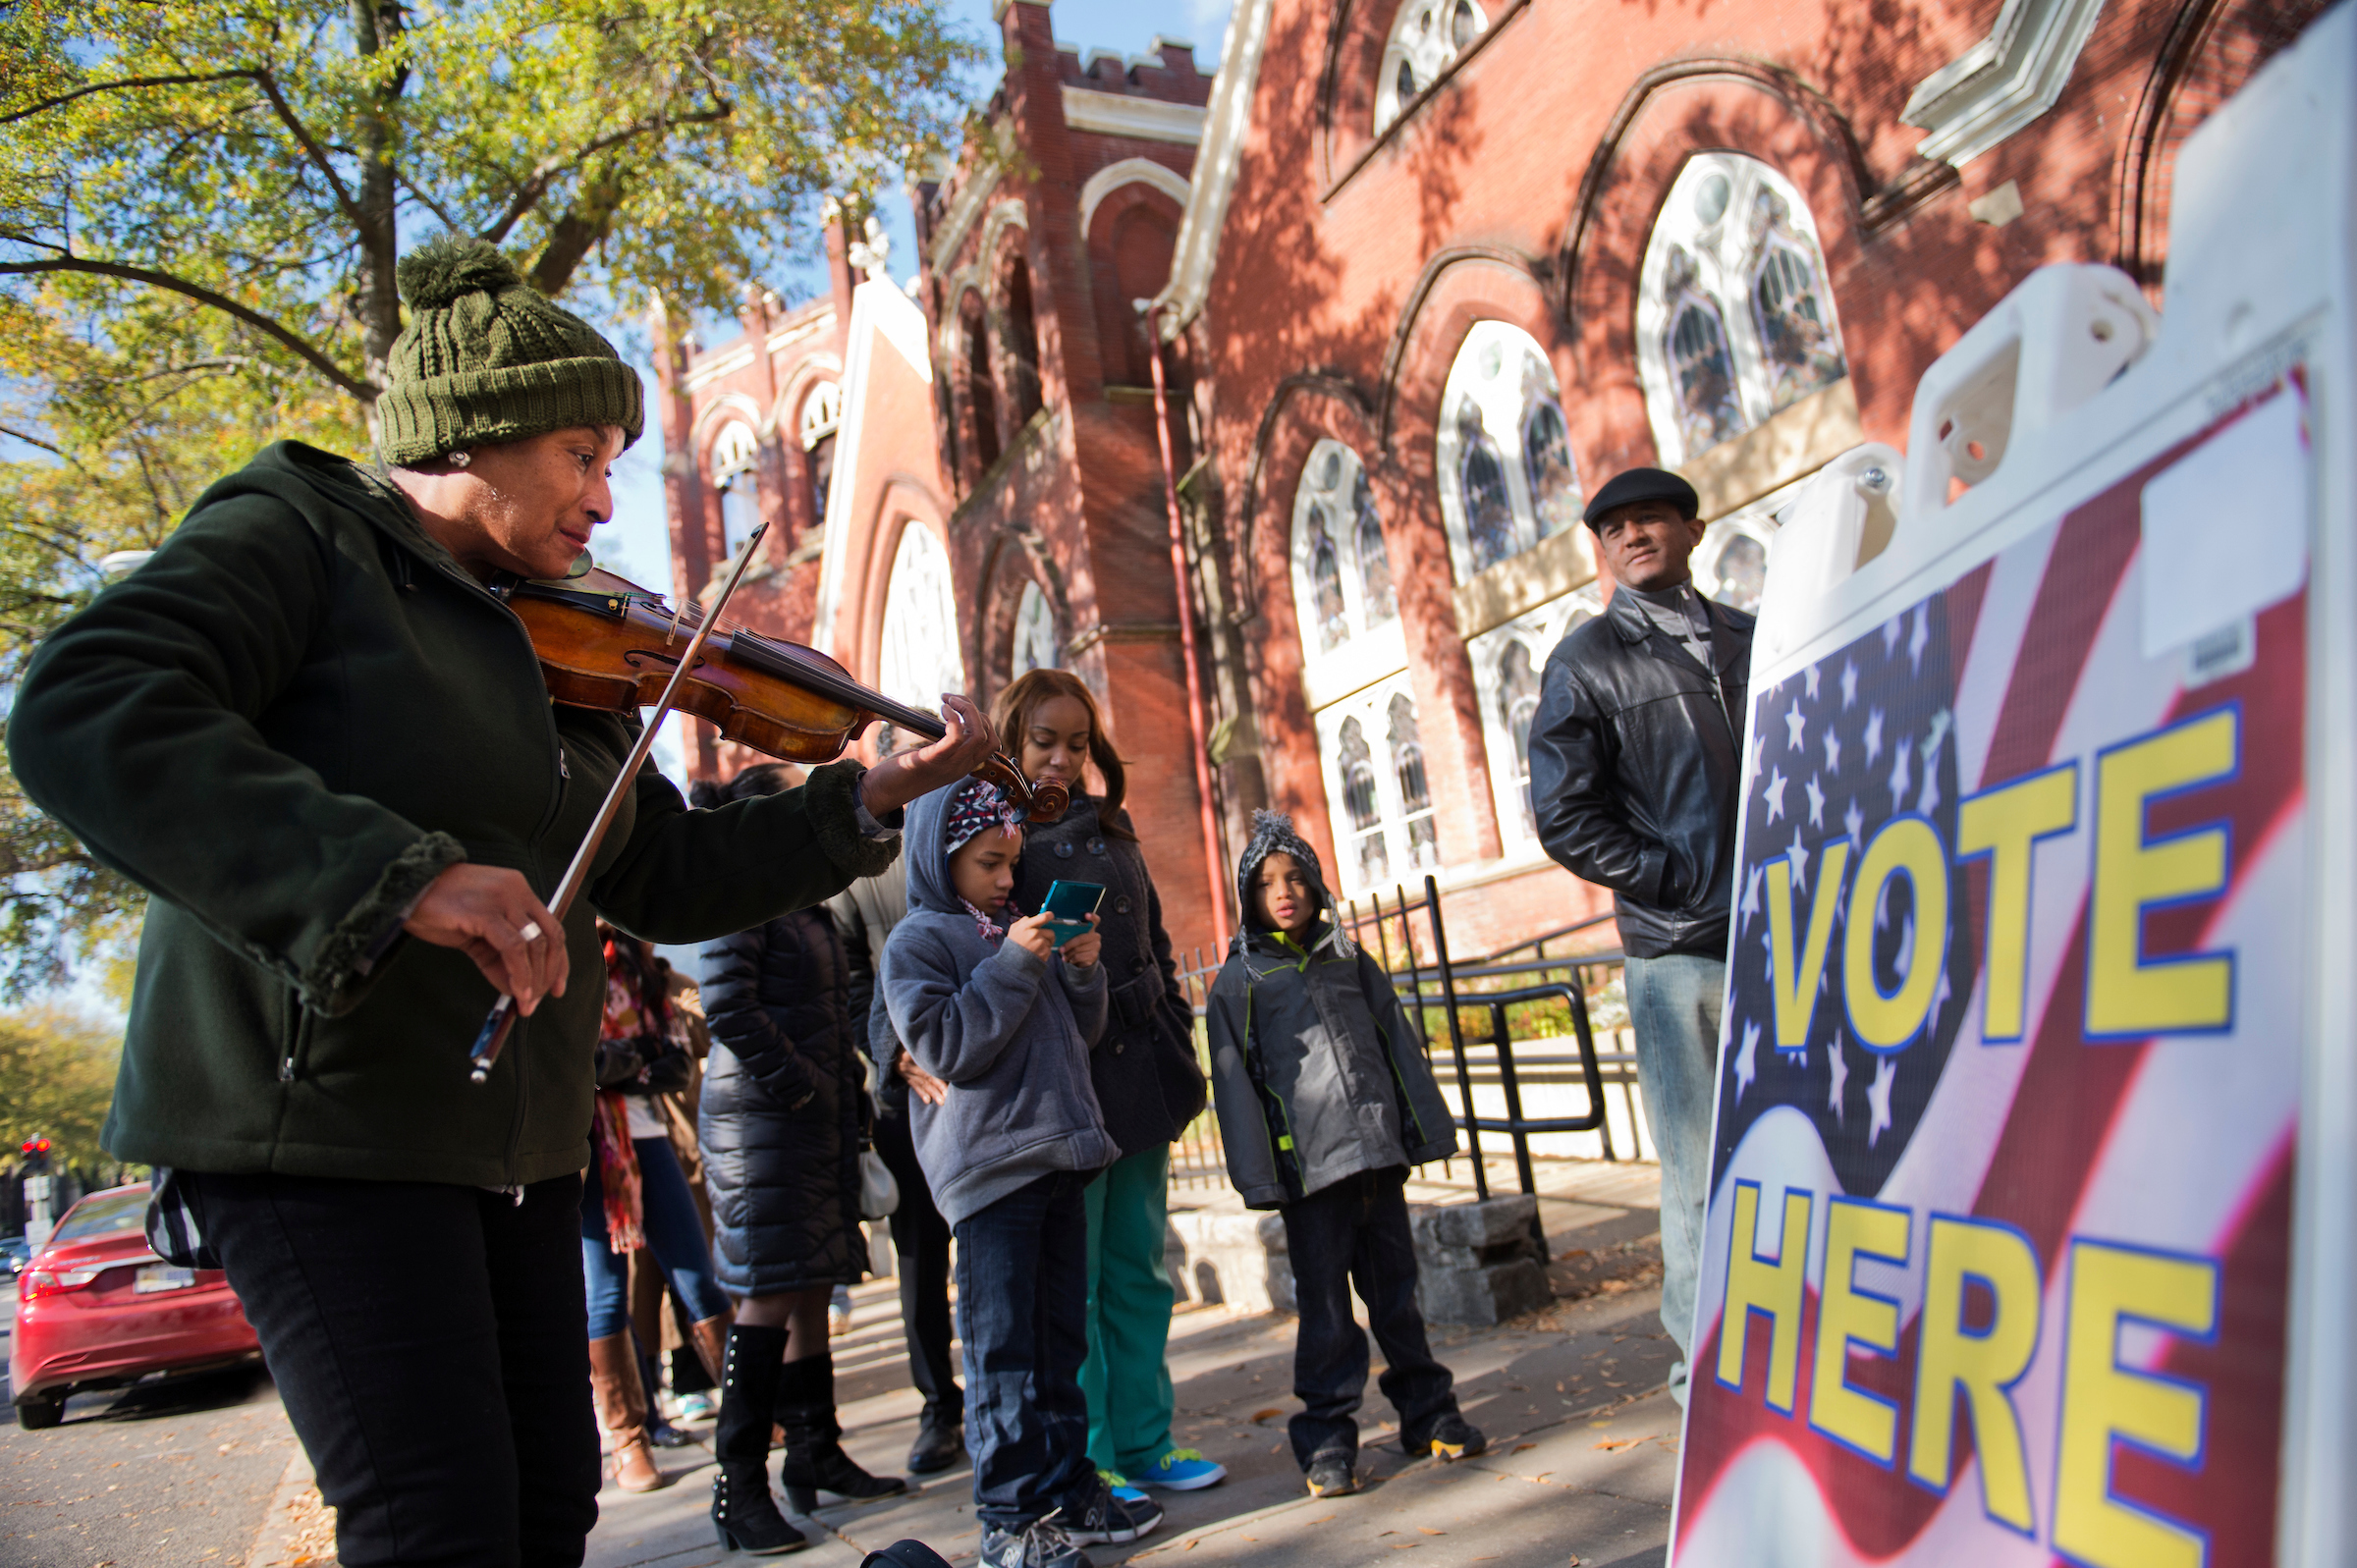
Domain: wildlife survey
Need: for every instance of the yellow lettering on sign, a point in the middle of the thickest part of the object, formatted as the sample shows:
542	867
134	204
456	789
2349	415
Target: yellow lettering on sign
1983	1364
1773	1286
2104	1402
2006	824
1906	846
1800	970
2125	994
1848	1315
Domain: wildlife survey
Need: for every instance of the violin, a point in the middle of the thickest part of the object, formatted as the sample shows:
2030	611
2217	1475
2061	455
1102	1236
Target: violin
605	642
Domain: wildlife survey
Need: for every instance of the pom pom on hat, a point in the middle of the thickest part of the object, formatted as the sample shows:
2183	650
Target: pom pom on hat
486	360
436	273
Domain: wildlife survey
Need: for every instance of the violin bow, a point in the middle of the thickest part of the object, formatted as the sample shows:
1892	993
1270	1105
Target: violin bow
502	1020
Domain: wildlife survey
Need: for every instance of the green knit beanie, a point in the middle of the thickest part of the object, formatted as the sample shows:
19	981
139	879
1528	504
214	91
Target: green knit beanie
486	358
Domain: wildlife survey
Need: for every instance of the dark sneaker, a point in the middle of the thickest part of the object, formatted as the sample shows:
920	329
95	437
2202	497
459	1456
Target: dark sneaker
1332	1477
1100	1516
1041	1544
1451	1436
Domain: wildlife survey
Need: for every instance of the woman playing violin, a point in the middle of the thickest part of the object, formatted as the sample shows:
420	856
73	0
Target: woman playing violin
323	744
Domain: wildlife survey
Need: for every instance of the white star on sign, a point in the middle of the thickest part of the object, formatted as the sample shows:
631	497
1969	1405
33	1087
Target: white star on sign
1891	637
1816	803
1874	736
1855	821
1840	1078
1929	801
1808	681
1849	683
1796	724
1759	748
1747	1059
1878	1099
1800	862
1774	793
1922	636
1751	896
1901	777
1833	751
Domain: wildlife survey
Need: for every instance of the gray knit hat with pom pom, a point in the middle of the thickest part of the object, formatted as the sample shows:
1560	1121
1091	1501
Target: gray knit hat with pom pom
486	358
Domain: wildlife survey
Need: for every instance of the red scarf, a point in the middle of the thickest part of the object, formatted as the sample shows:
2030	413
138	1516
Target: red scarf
634	1008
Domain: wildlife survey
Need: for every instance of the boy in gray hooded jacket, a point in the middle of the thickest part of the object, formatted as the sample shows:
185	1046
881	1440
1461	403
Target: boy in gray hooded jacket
1325	1099
985	1002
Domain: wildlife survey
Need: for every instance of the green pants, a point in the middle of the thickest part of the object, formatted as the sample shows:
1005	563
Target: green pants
1126	1377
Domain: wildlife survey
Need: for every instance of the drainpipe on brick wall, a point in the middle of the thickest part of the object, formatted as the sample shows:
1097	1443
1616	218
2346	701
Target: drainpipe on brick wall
1214	872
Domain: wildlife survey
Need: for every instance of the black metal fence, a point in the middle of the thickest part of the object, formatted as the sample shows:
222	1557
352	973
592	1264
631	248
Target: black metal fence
1546	1014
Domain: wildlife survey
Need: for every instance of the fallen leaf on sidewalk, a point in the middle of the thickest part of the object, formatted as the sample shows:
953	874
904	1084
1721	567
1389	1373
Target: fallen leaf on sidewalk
1192	1544
1520	1447
1428	1530
1264	1415
1616	1444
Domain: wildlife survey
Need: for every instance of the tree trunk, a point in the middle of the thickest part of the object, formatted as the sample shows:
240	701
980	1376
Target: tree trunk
374	22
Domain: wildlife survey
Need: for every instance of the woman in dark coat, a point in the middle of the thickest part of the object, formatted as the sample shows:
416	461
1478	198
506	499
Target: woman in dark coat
784	1091
1148	1083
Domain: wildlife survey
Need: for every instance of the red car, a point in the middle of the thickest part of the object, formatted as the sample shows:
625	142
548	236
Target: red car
96	1309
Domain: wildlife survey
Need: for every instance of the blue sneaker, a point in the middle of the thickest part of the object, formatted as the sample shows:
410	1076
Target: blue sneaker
1120	1486
1183	1470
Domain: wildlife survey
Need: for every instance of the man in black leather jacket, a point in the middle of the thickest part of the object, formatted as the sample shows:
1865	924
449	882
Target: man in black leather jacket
1636	758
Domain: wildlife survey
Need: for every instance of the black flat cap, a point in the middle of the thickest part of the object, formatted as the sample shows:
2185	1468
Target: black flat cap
1643	484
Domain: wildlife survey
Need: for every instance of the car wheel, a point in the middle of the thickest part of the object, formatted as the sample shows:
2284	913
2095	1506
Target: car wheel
39	1412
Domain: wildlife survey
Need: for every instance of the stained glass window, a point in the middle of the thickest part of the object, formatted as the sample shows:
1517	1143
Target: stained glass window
1426	36
1735	317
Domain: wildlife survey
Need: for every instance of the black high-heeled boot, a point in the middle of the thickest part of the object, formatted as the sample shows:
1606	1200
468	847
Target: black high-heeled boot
814	1458
744	1517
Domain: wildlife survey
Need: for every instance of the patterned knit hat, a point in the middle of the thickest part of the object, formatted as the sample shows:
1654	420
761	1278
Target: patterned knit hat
975	806
487	359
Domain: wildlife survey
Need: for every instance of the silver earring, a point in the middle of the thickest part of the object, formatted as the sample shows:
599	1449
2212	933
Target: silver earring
460	459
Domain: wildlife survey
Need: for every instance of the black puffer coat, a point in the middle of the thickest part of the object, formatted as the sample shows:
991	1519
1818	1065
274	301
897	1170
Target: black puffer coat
1148	1084
780	1120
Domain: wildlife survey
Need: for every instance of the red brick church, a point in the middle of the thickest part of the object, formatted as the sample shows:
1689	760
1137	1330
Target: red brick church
1422	272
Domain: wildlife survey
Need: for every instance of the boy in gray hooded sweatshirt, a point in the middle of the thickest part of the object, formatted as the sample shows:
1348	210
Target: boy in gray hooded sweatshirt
985	1002
1324	1101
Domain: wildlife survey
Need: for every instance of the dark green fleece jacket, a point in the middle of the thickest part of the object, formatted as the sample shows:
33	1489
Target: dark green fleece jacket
283	725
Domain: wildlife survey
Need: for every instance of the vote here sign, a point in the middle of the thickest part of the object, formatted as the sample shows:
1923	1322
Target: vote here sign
1997	1249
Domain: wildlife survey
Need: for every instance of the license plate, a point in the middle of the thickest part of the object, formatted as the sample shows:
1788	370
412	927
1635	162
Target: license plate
164	1276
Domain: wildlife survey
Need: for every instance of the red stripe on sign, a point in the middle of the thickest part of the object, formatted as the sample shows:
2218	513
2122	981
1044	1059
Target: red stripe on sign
2092	546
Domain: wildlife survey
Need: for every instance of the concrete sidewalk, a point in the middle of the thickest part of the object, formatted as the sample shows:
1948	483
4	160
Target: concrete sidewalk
1580	1464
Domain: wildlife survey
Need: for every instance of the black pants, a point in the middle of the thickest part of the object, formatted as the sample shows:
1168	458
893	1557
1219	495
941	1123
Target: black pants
430	1345
1355	1231
921	1242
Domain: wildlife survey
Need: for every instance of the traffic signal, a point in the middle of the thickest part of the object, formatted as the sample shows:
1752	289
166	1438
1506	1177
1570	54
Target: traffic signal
36	1157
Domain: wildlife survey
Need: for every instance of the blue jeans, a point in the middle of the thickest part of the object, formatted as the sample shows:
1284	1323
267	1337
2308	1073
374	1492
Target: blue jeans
1674	1003
674	1233
1022	1313
1355	1231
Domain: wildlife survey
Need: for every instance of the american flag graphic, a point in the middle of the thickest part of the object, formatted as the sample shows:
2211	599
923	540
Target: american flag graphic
2077	1159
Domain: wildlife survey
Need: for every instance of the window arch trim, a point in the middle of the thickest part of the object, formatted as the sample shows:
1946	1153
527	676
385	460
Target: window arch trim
1370	645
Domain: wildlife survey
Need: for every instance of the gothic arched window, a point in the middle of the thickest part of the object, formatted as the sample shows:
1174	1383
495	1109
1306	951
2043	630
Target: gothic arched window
1508	479
1425	37
1360	800
1342	572
1035	644
1735	316
822	416
919	658
1326	581
1517	705
736	456
1509	661
1379	603
1415	790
